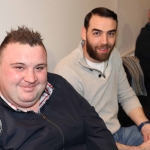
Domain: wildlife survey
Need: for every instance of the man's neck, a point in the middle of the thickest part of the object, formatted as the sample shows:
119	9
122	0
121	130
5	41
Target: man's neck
34	108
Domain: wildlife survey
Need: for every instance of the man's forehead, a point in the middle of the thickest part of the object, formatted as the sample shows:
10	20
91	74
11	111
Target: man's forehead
22	52
19	46
99	22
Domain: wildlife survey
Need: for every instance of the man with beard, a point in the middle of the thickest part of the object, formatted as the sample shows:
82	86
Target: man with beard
96	72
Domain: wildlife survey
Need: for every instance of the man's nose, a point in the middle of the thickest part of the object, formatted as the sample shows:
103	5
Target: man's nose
104	39
30	76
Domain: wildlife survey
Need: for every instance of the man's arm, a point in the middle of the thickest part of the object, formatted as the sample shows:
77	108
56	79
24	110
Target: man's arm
138	116
97	136
132	107
129	101
144	146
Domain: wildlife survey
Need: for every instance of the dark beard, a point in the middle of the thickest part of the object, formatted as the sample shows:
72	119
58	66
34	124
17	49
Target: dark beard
93	54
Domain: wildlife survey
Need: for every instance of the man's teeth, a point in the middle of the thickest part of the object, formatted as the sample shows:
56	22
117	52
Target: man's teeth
103	49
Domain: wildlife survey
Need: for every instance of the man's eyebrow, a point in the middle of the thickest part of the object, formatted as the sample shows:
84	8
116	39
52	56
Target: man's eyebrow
18	63
113	30
42	64
97	30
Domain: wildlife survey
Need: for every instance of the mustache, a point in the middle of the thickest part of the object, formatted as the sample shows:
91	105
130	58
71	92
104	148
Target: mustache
103	46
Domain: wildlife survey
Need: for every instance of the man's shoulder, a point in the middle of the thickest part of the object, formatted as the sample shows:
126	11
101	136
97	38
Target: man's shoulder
145	29
58	81
70	58
53	79
147	25
68	63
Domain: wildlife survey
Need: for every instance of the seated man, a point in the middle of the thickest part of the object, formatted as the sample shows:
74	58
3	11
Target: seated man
40	111
96	72
142	52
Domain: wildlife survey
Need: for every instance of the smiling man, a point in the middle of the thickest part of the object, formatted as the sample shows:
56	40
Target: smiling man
99	43
95	70
22	81
35	108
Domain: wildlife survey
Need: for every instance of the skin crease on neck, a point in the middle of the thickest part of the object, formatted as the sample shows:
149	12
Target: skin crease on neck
100	38
23	71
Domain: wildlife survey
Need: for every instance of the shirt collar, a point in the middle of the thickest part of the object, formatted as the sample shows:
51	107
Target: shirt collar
45	96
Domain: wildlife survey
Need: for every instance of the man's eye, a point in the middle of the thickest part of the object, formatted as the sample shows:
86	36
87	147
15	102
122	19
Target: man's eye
111	34
40	68
96	33
19	68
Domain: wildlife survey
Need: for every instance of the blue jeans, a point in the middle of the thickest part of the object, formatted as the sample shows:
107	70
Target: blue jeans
128	136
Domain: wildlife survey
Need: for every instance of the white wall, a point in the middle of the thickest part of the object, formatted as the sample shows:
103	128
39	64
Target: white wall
60	21
132	16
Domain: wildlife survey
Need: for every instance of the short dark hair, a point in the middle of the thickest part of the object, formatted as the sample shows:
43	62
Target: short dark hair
100	11
22	35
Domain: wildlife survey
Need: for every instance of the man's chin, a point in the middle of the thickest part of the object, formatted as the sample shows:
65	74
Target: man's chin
103	57
28	99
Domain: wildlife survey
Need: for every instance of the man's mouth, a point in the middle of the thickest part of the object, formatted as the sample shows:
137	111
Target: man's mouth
28	88
103	49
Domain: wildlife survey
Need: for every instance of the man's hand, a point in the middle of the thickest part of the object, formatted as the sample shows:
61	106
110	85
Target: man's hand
143	146
146	132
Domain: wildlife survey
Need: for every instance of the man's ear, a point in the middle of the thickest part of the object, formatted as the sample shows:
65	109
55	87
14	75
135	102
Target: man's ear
83	33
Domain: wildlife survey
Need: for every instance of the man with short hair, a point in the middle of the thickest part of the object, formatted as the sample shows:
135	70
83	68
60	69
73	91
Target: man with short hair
35	108
95	70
